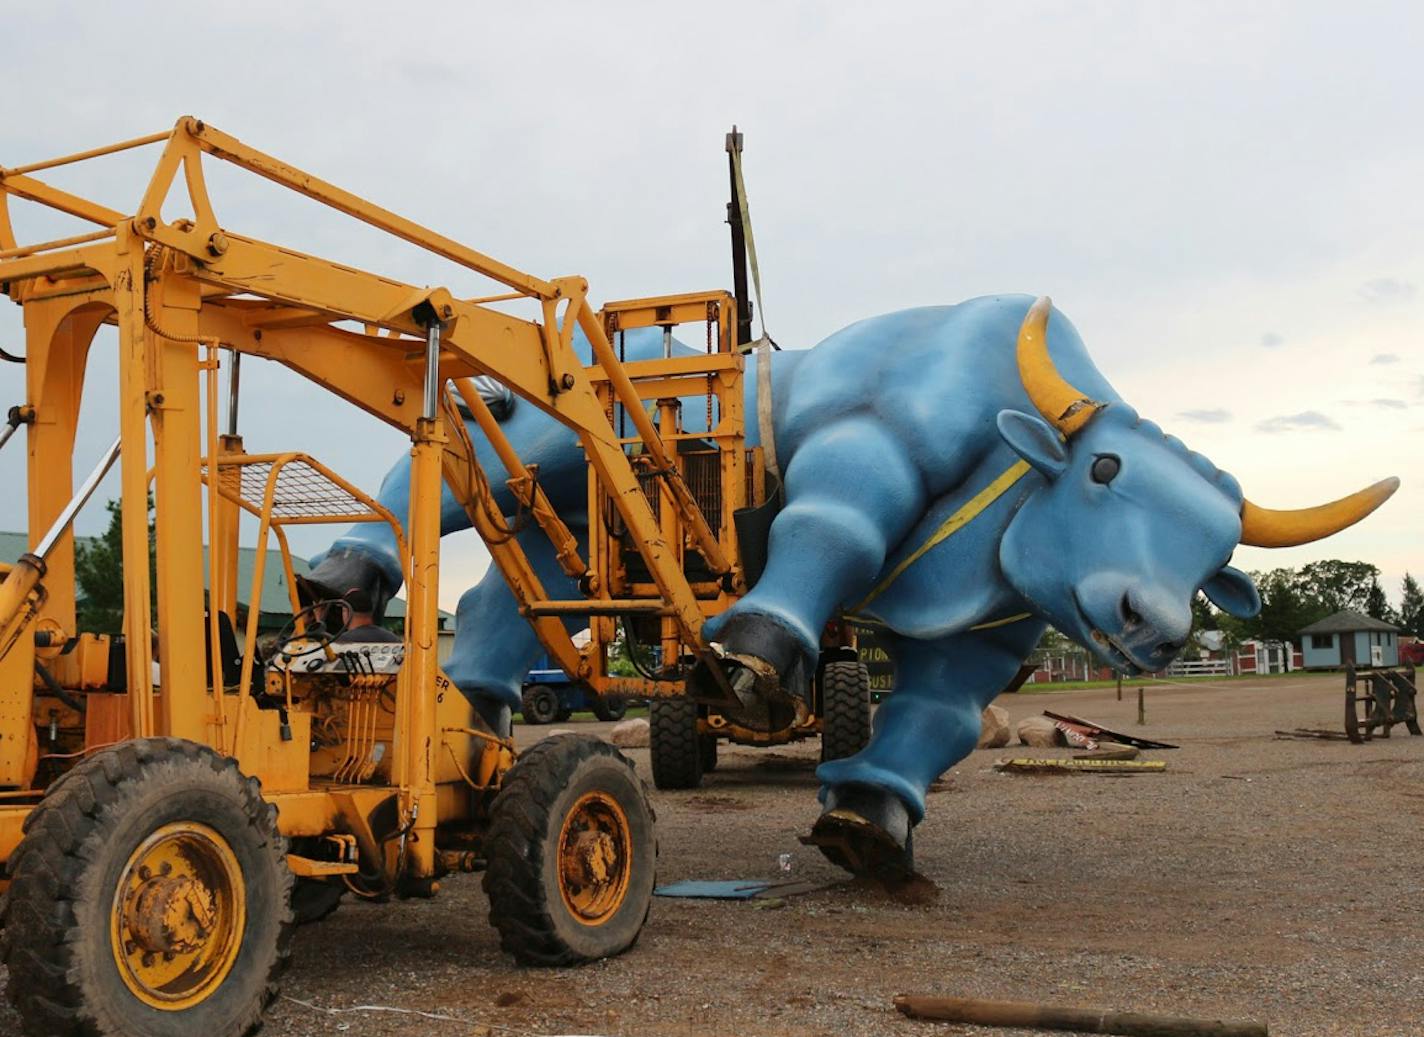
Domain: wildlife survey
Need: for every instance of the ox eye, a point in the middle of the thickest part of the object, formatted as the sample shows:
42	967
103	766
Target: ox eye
1105	468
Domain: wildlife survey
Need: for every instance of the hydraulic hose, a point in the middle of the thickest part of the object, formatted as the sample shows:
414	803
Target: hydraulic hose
74	702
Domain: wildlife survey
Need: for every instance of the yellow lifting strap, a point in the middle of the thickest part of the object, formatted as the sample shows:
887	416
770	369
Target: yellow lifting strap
762	346
962	516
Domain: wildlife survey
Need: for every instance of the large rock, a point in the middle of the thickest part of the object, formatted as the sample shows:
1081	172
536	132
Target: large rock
1040	733
994	729
630	734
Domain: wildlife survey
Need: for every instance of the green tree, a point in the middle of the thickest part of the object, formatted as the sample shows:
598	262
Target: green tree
1204	616
1286	605
1336	585
1235	631
1411	607
620	656
1378	606
1053	642
99	575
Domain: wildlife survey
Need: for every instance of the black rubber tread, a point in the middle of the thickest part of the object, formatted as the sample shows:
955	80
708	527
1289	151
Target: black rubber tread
672	741
845	702
707	747
62	978
609	709
314	900
521	849
540	704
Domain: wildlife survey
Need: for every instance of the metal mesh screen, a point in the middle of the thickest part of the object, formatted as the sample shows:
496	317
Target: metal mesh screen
302	491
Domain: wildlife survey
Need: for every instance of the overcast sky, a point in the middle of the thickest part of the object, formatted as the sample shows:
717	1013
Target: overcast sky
1227	199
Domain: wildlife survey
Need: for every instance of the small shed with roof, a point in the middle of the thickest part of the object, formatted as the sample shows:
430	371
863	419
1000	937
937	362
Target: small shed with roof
1349	637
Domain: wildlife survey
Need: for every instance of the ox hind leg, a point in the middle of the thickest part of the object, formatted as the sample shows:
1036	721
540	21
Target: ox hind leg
931	721
852	492
495	646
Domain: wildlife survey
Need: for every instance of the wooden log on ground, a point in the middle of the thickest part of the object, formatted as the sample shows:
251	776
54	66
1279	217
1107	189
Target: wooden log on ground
1078	1020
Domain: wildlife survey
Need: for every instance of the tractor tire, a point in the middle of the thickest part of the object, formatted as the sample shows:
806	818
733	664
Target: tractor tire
672	741
563	714
314	900
174	837
707	748
845	709
572	854
609	709
541	704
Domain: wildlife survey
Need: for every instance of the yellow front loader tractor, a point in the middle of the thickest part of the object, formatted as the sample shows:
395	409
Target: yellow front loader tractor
174	798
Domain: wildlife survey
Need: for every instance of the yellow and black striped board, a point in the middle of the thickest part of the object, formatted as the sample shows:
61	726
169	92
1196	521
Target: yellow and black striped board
1079	765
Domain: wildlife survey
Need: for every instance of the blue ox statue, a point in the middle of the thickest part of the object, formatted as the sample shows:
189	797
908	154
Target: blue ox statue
957	490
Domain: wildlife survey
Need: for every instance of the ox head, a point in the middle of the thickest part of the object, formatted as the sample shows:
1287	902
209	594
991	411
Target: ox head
1131	524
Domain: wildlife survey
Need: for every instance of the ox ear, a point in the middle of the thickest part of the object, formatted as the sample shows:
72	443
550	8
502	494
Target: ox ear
1035	441
1232	591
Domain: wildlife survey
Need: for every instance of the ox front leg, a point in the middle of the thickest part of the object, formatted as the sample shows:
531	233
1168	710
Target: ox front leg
495	646
366	557
873	800
852	491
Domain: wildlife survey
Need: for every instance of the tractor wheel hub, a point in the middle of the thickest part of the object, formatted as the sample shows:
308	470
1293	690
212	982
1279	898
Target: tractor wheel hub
172	914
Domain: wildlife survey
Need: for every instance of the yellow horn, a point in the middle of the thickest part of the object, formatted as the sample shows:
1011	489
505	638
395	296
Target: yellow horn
1065	407
1262	527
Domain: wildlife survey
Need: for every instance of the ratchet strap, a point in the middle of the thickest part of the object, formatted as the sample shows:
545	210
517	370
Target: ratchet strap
764	344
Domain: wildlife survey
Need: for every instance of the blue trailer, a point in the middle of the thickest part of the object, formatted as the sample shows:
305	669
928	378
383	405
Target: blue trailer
550	695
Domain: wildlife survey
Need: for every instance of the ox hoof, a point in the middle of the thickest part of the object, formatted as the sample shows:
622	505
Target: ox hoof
342	571
763	704
866	831
765	667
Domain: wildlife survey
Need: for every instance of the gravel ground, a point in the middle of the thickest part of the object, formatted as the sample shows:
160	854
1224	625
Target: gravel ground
1256	879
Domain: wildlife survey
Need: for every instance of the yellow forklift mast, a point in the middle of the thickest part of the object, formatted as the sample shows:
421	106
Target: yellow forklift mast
381	775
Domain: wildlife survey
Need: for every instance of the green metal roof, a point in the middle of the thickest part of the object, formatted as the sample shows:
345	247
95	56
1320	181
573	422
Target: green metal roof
276	596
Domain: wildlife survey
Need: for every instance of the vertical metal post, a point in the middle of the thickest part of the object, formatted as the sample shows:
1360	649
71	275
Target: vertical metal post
669	520
431	403
233	378
215	558
421	672
175	409
133	472
223	536
739	244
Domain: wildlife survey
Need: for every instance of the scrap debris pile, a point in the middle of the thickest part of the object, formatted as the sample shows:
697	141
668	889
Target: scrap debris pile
1101	750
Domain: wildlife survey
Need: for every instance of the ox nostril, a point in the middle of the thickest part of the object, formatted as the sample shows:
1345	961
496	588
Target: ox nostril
1170	648
1130	615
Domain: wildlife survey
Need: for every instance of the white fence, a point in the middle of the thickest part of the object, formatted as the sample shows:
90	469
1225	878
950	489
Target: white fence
1200	668
1248	659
